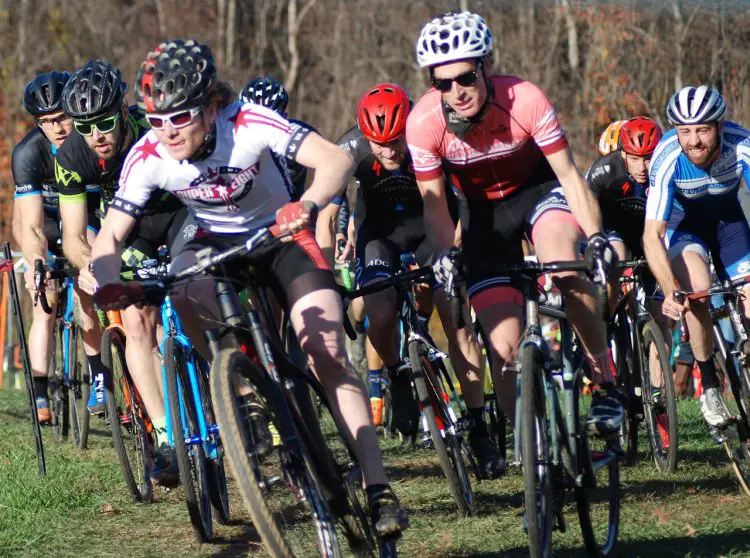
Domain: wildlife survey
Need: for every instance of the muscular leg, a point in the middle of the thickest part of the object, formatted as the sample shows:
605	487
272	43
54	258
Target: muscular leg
558	240
317	318
382	312
143	359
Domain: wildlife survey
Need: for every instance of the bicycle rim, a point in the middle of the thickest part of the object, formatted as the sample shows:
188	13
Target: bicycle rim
598	498
191	459
127	418
535	454
661	422
445	439
283	499
59	390
625	363
736	436
80	388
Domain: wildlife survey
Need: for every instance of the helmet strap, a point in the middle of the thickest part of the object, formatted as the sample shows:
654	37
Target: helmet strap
207	147
459	125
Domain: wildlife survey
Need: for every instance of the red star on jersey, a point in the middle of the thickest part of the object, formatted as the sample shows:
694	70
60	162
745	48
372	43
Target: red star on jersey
242	118
146	150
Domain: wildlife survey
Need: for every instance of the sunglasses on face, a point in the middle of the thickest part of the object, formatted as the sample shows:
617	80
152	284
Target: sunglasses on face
178	119
103	126
52	121
467	79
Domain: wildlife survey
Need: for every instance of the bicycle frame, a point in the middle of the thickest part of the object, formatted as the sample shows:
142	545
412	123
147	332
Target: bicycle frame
67	320
207	433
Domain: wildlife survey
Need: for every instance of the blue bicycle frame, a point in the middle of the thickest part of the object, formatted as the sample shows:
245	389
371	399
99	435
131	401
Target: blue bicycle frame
207	433
67	325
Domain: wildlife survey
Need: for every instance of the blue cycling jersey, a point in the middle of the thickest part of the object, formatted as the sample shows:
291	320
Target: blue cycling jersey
675	182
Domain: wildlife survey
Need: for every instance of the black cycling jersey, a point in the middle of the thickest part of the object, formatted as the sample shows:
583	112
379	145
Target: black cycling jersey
621	198
380	192
77	166
33	166
297	173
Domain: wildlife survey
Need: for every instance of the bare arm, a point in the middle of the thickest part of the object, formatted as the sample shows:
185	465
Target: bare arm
333	166
74	216
656	254
30	228
581	200
438	223
325	230
105	253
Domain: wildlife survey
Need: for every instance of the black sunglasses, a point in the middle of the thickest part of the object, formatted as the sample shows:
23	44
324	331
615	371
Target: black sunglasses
467	79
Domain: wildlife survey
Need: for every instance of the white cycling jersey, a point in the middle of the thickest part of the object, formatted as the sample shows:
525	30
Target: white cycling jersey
237	188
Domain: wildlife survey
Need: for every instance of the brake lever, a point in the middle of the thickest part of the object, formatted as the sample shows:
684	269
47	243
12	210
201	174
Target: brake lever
679	297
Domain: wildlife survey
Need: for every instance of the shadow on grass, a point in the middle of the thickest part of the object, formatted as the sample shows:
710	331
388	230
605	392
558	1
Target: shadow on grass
247	541
733	542
667	486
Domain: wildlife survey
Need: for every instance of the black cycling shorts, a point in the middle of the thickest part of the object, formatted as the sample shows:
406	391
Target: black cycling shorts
290	270
152	231
380	246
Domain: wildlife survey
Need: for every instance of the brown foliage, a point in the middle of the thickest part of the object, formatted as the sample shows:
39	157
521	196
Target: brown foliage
627	59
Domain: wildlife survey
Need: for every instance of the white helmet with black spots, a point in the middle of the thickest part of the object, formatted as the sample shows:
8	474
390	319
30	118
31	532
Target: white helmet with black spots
451	37
696	105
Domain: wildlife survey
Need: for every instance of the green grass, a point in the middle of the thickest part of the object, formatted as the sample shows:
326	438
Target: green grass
698	511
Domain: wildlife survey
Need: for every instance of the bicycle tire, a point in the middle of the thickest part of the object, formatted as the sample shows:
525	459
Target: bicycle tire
59	402
79	389
665	458
446	443
249	467
535	449
191	458
735	446
127	418
217	477
590	461
624	364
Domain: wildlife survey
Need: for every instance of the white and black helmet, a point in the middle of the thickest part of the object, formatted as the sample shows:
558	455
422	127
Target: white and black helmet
696	105
450	37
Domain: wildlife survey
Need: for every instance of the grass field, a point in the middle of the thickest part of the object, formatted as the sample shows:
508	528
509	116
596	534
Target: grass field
82	509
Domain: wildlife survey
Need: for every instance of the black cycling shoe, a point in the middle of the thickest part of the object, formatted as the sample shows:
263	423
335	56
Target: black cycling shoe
257	416
657	398
388	518
491	465
165	472
607	410
405	412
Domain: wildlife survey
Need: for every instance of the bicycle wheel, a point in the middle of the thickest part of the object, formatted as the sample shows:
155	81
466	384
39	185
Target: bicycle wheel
598	498
281	495
127	418
735	439
215	471
445	439
188	447
626	363
79	389
661	420
535	453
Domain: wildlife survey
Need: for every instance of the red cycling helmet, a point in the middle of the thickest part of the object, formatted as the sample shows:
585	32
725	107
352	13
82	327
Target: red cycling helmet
382	112
639	136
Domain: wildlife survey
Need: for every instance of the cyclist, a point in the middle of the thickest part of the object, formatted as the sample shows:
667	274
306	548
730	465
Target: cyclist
36	198
215	154
391	212
609	141
693	213
498	140
106	129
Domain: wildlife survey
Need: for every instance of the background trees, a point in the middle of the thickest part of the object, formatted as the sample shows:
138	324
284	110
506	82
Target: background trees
597	61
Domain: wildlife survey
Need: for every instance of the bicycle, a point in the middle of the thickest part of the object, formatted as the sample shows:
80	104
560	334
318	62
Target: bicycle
640	349
71	383
297	488
444	429
553	449
734	437
191	427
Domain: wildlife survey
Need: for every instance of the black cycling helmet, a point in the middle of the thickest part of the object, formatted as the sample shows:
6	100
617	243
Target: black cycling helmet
176	74
43	94
267	92
93	91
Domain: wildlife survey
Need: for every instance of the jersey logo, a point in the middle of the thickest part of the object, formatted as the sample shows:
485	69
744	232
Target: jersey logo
103	165
65	177
626	188
377	167
221	186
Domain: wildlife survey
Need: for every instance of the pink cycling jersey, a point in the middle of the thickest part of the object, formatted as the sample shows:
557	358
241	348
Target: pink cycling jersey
499	154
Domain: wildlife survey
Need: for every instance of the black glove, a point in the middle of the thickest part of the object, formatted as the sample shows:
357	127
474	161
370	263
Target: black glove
599	250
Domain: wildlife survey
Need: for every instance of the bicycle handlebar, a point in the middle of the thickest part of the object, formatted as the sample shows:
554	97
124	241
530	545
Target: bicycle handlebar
40	282
153	291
